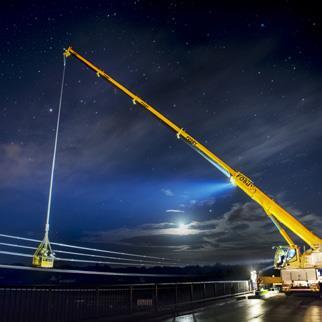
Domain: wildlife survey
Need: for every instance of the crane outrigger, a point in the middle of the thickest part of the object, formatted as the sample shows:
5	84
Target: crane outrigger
299	270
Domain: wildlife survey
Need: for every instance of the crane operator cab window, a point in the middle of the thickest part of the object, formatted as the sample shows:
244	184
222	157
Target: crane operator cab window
284	255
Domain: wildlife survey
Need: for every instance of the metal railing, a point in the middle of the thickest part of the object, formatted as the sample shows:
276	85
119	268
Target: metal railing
51	304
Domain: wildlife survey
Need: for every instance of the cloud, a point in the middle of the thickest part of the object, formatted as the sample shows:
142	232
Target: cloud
21	162
174	211
244	231
79	153
168	192
122	134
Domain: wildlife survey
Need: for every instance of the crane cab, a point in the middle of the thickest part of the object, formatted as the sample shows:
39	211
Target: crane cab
285	256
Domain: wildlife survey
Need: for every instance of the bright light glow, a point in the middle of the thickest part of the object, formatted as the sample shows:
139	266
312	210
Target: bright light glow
253	276
183	229
198	190
232	181
255	311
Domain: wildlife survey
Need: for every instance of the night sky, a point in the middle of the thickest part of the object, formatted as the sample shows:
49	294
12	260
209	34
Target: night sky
244	79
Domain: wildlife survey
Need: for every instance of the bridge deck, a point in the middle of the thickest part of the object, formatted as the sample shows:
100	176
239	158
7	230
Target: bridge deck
275	309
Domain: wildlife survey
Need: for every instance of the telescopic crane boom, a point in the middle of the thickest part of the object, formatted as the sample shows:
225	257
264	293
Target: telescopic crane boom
278	215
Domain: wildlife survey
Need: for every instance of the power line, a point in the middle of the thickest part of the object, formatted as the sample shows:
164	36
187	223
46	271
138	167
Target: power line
74	271
63	259
87	248
87	255
15	253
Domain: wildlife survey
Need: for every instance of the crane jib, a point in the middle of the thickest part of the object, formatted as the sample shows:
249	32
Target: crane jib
237	178
208	159
246	181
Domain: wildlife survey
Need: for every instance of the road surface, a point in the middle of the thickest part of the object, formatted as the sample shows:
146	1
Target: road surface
279	308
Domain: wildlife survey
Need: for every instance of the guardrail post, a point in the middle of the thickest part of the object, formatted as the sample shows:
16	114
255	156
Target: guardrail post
156	299
191	292
131	299
97	302
49	303
224	288
204	290
176	295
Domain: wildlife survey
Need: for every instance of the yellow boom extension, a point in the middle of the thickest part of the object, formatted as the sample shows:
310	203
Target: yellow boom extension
272	208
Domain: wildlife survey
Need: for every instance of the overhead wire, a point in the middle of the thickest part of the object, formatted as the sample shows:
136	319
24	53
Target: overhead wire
90	249
87	255
74	271
63	259
4	252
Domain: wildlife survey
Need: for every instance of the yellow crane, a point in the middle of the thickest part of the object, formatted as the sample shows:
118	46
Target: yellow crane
299	271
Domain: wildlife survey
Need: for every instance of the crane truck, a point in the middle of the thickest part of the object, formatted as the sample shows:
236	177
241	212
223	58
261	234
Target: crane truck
299	268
